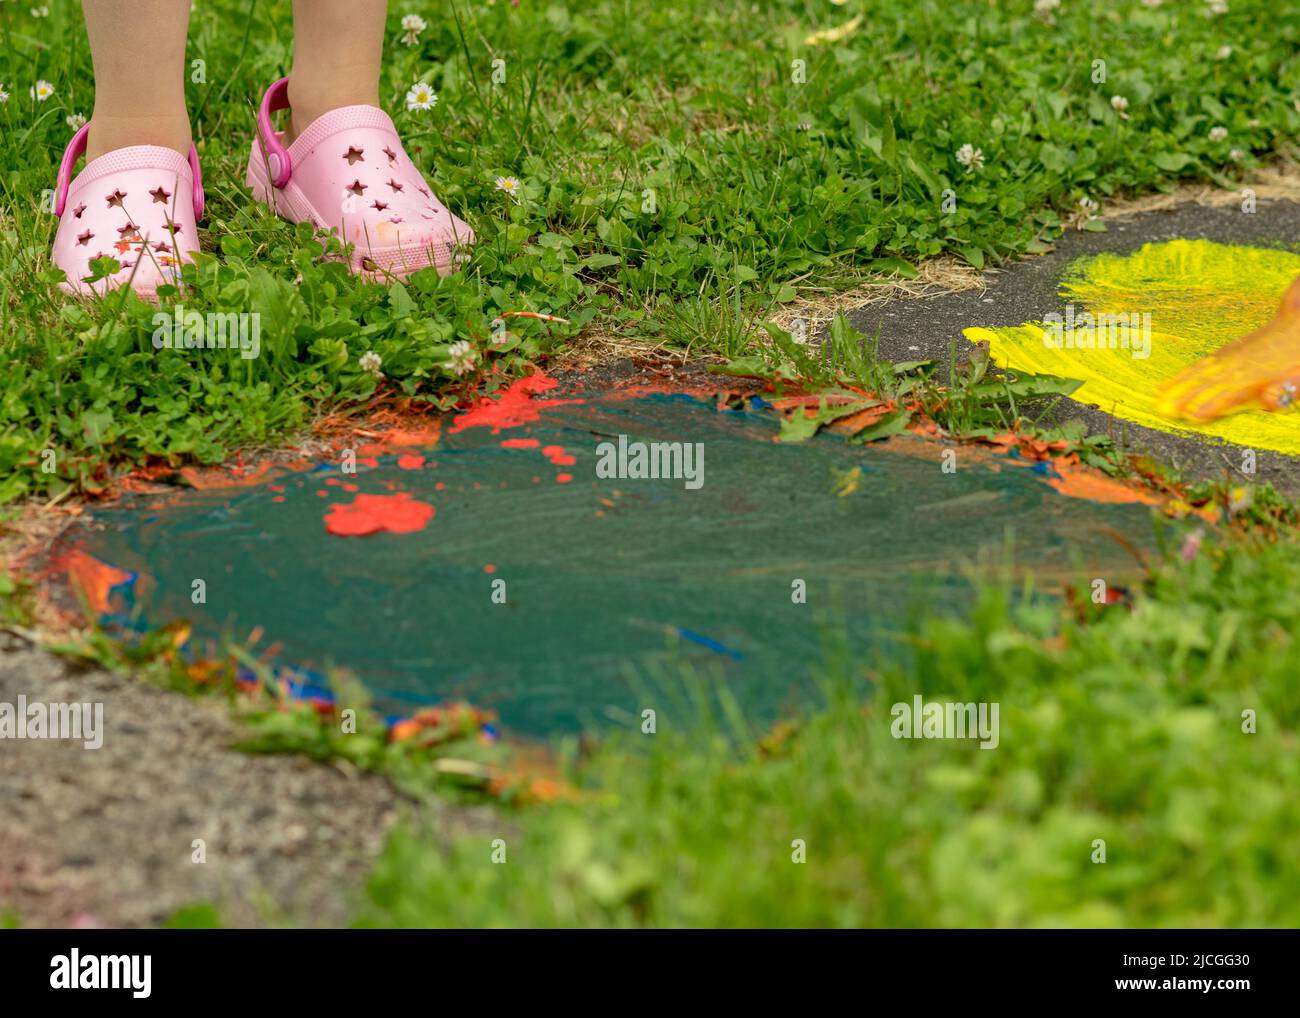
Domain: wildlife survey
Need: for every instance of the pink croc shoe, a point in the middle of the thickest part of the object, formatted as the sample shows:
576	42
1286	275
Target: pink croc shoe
140	205
348	173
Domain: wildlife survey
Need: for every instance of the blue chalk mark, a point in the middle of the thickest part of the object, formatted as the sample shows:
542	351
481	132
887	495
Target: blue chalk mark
708	642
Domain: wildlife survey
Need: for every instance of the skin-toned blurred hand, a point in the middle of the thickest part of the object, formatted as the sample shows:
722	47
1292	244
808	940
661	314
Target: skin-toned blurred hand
1260	370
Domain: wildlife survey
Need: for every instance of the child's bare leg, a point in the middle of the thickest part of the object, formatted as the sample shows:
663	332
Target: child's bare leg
1259	370
337	48
138	48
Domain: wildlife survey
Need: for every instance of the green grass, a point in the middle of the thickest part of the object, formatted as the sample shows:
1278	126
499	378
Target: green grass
678	184
1124	726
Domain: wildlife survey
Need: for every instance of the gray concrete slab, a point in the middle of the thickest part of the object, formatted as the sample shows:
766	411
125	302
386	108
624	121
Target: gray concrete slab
925	328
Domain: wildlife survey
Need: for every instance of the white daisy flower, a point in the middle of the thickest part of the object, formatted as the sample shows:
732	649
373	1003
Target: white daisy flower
76	121
510	185
1218	133
41	91
462	357
421	97
371	362
970	157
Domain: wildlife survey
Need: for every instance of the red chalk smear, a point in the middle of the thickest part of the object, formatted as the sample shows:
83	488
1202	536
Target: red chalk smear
323	493
374	514
96	579
410	461
520	443
514	407
278	488
557	456
332	480
563	478
439	486
368	461
277	498
489	568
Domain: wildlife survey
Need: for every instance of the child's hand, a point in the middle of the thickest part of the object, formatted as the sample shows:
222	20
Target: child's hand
1258	370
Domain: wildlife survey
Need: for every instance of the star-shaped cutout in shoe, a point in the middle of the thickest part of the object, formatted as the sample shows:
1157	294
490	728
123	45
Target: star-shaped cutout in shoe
424	191
78	210
379	206
392	156
129	232
116	198
356	187
354	155
171	227
395	220
395	186
84	238
162	248
159	196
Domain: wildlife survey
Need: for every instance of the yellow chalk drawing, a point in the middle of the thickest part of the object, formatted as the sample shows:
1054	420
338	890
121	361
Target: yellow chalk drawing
1200	295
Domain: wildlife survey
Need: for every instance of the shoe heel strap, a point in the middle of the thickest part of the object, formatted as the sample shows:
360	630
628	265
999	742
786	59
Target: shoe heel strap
277	156
77	148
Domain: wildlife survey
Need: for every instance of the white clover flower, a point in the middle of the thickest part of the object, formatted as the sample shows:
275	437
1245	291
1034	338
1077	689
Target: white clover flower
970	157
1218	7
1223	53
1088	205
421	97
1152	3
41	91
1253	123
76	121
510	185
1218	133
1118	102
40	12
1043	6
4	96
371	362
1236	155
412	26
462	357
